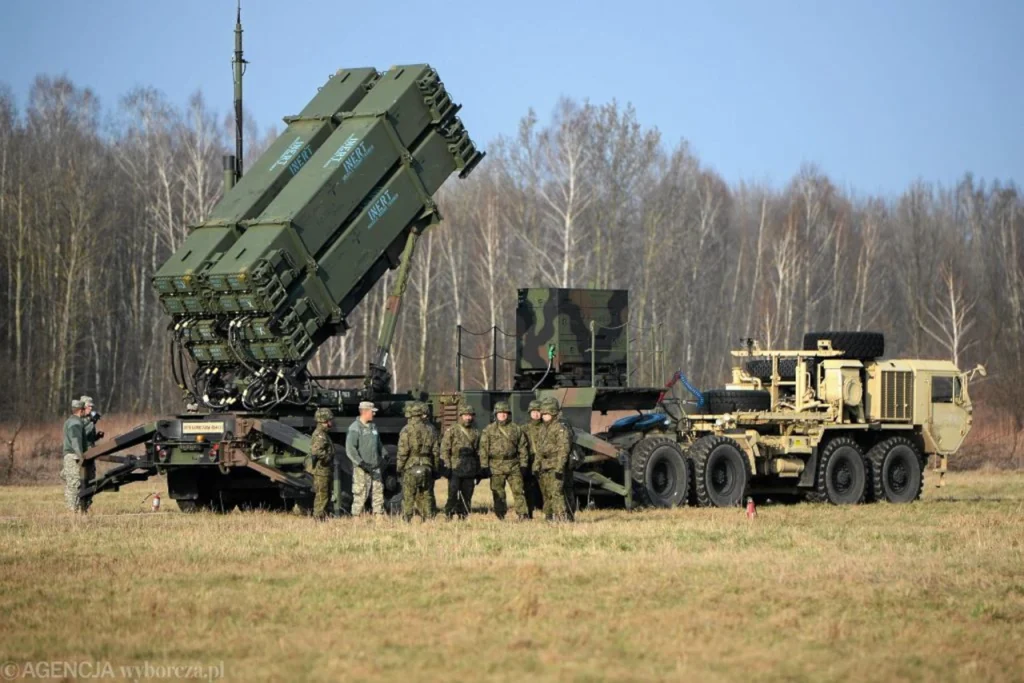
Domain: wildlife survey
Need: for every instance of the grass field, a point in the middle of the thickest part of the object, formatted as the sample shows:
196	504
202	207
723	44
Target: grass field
929	591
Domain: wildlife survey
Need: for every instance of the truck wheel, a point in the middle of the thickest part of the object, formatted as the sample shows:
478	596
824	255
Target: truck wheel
761	368
189	506
854	345
660	474
842	474
721	472
897	470
719	401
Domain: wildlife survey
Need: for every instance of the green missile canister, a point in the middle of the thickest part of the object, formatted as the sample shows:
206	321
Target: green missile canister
178	280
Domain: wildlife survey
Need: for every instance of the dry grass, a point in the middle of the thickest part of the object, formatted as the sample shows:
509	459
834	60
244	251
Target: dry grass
929	591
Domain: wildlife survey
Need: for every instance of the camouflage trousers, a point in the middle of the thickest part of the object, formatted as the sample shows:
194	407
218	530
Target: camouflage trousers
553	487
71	474
514	479
321	490
364	484
417	499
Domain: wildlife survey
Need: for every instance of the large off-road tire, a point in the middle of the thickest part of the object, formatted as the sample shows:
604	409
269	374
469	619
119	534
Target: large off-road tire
897	470
719	401
854	345
842	473
191	506
661	475
721	472
761	368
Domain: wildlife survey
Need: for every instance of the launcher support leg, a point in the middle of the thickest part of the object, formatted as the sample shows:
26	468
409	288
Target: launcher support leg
378	379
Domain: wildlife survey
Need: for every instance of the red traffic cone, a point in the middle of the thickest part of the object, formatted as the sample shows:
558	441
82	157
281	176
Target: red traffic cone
751	510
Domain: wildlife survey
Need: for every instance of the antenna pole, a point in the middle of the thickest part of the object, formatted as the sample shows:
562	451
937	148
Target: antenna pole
238	68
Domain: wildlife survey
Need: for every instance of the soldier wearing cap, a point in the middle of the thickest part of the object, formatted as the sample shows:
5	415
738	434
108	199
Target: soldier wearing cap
551	461
363	448
74	454
418	459
534	499
321	452
89	419
505	453
460	455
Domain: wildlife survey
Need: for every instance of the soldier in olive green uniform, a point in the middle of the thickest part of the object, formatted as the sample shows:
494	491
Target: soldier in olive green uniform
321	451
419	457
460	455
74	452
551	461
505	453
534	498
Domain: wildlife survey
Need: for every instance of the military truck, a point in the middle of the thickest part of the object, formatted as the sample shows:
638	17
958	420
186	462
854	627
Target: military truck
339	198
832	421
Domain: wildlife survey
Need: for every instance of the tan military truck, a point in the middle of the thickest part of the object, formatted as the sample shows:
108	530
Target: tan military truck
831	420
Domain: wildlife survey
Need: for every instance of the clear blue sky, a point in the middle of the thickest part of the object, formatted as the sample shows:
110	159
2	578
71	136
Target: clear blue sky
878	93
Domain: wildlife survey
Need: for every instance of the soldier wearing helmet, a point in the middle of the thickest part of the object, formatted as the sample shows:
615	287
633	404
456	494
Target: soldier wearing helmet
460	455
554	445
534	499
321	460
419	457
505	453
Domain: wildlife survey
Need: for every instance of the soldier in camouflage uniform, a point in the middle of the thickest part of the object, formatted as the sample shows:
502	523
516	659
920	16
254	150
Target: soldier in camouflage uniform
551	461
460	455
534	499
505	453
74	452
321	451
419	458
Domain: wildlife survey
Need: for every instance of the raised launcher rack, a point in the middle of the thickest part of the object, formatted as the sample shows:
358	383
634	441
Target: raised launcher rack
296	245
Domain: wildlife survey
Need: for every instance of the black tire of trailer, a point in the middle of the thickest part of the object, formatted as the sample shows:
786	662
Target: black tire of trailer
660	472
897	470
190	506
854	345
761	368
721	472
843	477
718	401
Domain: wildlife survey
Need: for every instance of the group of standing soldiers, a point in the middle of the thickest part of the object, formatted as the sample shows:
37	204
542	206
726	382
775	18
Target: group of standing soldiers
80	435
505	453
510	455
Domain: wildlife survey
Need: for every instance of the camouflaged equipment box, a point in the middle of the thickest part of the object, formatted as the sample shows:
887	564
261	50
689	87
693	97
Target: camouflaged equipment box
556	323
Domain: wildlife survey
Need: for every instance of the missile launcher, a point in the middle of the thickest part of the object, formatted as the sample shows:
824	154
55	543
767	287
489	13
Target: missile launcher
294	247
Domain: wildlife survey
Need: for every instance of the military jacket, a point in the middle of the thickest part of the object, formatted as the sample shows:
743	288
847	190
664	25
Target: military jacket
554	444
460	449
503	447
321	448
74	436
418	445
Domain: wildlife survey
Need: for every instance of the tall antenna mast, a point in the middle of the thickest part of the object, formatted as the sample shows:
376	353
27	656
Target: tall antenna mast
238	67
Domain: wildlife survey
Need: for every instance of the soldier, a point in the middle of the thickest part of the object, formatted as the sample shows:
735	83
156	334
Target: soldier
459	453
551	461
534	499
419	456
321	451
74	452
505	453
363	447
89	419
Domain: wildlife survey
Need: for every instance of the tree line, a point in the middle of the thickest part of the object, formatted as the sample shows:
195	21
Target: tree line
93	200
